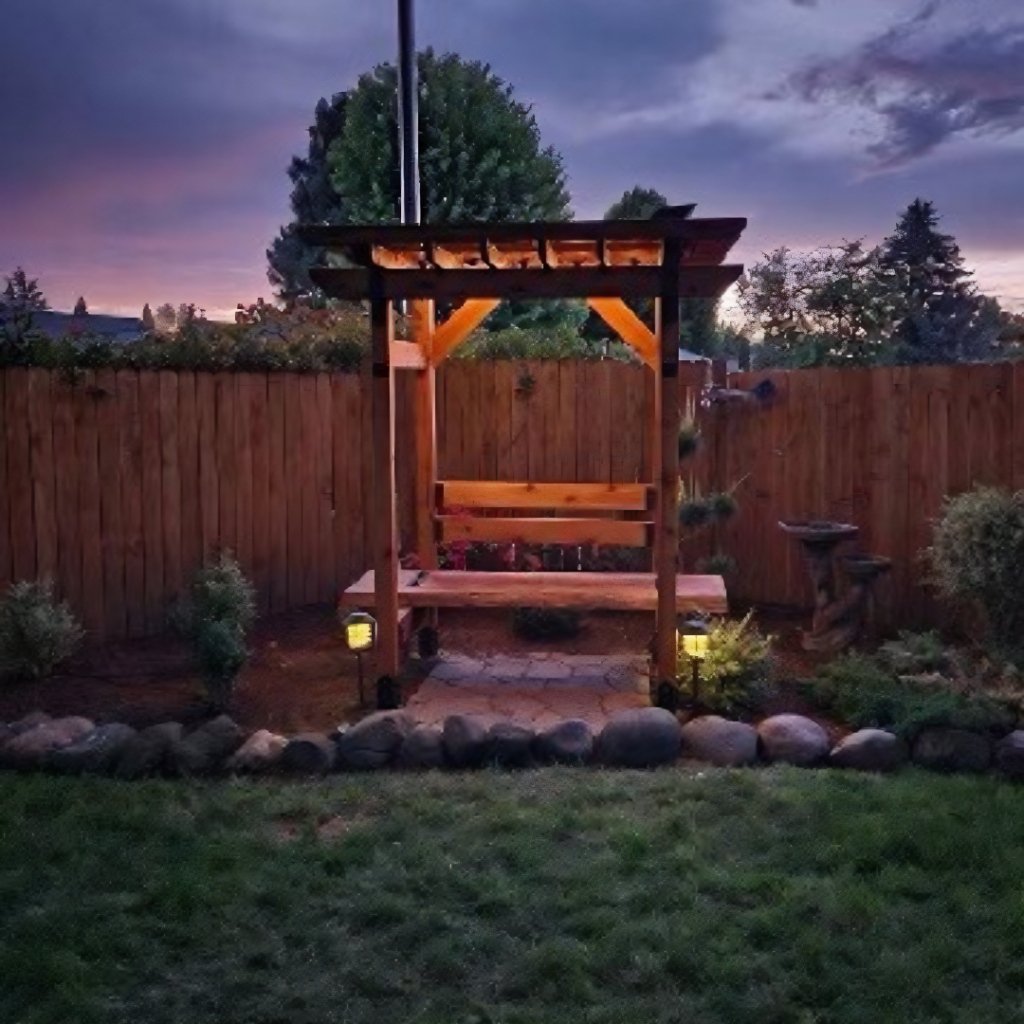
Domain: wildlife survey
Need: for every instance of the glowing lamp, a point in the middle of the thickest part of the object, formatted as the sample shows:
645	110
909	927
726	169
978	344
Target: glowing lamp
360	632
695	643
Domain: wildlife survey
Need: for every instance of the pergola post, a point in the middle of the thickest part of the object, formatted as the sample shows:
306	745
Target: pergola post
385	554
422	327
667	527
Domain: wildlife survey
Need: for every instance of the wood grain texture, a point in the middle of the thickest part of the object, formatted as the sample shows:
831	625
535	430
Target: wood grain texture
90	533
259	445
188	470
243	472
44	497
513	494
170	486
207	441
19	475
555	530
108	437
152	499
130	422
277	493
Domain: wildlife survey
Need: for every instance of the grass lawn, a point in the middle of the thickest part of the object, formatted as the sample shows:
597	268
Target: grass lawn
770	895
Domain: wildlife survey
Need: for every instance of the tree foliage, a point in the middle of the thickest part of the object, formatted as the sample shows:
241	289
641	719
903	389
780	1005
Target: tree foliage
20	300
313	201
905	301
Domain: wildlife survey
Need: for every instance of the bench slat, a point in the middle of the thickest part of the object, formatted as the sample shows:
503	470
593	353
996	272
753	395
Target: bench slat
628	533
625	591
514	494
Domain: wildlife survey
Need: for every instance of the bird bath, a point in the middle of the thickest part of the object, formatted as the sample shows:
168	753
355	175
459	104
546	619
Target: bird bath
831	624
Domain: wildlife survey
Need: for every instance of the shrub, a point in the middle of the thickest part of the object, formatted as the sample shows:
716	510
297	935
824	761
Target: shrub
36	635
546	623
215	618
735	674
977	555
913	653
865	694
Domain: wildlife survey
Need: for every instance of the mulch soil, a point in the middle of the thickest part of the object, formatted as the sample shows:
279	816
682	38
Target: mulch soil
302	678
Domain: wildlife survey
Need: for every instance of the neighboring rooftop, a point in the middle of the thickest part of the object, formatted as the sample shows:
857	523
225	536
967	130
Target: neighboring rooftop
119	328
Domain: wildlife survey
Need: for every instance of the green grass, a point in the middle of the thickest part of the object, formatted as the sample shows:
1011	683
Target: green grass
772	895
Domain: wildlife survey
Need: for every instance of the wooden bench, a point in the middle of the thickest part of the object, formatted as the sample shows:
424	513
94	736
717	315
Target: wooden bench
623	591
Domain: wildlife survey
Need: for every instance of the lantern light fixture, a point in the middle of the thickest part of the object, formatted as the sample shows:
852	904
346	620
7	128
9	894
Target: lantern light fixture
360	633
695	643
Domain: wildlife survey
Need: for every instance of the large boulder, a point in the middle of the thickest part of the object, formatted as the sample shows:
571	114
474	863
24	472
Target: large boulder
97	751
1010	754
952	750
869	750
146	752
33	747
29	721
510	743
310	753
719	741
259	753
793	739
465	740
374	741
422	748
639	738
570	741
205	749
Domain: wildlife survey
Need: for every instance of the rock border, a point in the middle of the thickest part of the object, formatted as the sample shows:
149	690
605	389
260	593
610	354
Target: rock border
392	740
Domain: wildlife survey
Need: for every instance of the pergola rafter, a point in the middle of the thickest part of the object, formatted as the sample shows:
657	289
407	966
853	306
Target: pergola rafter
665	258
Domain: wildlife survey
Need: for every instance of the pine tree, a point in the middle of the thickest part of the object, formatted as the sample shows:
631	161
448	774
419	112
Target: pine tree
19	302
80	307
636	204
942	317
148	323
313	201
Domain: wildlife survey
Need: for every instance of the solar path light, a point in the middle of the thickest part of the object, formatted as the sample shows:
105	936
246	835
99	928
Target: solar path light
360	632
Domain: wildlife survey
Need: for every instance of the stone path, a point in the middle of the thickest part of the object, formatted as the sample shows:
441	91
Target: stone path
538	689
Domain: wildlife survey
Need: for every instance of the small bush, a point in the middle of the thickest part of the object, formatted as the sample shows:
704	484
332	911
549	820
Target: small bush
913	653
867	695
546	623
215	618
735	674
36	635
977	555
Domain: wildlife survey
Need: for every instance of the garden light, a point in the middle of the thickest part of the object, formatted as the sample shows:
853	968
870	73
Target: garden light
360	632
695	643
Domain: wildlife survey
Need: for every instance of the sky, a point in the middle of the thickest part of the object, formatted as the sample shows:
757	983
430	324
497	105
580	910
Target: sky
144	143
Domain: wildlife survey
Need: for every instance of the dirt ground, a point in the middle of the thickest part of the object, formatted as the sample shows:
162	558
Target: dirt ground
302	678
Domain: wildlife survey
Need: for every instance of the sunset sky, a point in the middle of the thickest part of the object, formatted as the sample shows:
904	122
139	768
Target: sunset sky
144	143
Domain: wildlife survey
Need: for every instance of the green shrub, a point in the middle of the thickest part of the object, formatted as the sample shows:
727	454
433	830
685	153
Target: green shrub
546	623
36	635
215	618
913	653
735	673
864	694
977	555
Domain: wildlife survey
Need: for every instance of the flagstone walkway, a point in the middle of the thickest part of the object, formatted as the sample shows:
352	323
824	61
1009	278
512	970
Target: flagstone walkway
538	689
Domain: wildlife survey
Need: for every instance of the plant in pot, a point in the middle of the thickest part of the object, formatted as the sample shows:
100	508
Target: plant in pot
215	617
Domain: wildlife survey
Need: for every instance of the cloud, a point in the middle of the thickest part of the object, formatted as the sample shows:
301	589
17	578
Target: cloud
924	90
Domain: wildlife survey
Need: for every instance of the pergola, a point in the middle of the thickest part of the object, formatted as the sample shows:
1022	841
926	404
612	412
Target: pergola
667	258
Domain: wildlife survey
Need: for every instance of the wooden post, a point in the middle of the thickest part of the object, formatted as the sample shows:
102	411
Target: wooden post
716	475
667	535
385	560
422	326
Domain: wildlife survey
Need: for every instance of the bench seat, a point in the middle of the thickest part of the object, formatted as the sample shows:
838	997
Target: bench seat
624	591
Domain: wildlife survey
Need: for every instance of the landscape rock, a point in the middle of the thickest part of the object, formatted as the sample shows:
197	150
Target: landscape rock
639	738
32	748
206	748
308	753
30	721
870	750
719	741
146	752
422	748
375	740
793	739
570	741
96	751
952	750
1010	754
259	753
465	740
510	743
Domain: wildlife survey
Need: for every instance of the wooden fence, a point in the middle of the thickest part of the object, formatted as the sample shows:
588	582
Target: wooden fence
117	487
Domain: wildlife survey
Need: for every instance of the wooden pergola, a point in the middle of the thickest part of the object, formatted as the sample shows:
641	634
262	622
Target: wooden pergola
478	265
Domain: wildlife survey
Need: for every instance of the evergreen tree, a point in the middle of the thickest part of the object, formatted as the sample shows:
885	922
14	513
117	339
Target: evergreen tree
313	201
19	302
943	318
80	307
636	204
148	323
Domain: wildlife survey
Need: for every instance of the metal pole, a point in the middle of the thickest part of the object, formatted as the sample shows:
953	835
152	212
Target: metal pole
408	115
